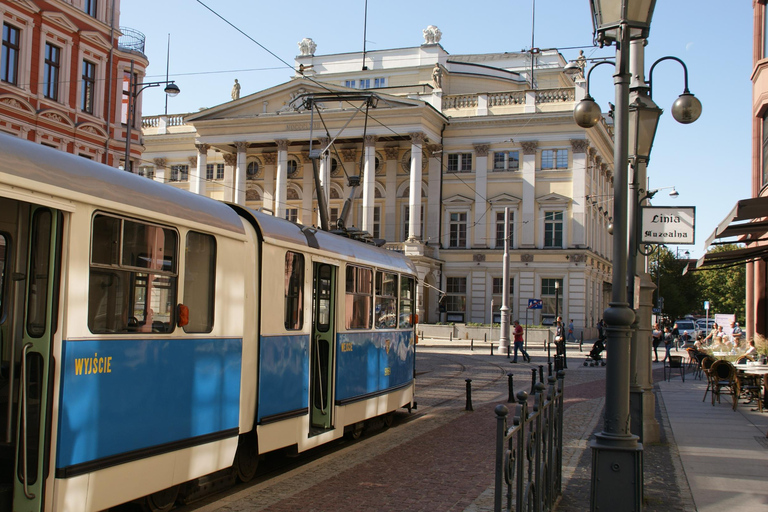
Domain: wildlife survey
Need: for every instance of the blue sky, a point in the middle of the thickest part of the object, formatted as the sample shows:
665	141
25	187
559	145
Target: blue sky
709	161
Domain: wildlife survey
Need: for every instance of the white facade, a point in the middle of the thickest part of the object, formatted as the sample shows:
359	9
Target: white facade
451	142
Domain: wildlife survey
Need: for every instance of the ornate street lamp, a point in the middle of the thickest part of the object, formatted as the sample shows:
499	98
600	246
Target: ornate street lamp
610	16
171	89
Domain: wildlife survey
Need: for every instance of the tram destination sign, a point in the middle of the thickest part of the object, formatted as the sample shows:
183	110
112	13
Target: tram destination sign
673	225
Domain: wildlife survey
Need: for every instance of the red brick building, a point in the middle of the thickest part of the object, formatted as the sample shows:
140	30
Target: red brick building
64	76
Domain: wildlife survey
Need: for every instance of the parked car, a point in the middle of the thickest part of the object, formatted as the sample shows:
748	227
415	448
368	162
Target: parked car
685	324
703	326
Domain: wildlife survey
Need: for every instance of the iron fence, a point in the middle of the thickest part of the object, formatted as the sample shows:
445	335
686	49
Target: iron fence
529	453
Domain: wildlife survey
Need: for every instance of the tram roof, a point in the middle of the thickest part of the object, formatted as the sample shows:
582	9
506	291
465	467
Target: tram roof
101	183
280	231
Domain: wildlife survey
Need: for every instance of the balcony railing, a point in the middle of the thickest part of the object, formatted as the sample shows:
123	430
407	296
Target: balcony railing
131	40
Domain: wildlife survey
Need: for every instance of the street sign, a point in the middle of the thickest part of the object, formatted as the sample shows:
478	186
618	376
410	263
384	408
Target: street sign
706	305
656	311
535	304
668	225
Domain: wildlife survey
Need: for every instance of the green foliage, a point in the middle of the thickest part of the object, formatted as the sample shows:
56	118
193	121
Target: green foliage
725	289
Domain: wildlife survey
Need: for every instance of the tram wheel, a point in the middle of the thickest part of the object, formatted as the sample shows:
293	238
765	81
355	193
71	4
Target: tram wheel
357	431
388	419
247	457
162	501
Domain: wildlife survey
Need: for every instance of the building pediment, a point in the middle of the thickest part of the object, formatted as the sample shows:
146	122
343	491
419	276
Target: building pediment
56	117
553	199
61	20
458	200
17	103
504	200
289	98
95	38
27	5
92	129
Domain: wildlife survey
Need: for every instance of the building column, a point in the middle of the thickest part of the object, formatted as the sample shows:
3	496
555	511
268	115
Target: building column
230	161
324	173
268	201
198	181
528	210
238	194
390	201
578	231
434	170
480	232
281	186
307	182
414	198
369	182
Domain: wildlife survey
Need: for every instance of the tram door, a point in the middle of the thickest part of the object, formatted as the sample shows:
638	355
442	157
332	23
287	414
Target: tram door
28	281
323	345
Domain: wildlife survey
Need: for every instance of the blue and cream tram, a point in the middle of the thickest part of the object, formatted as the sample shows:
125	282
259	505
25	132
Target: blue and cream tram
150	336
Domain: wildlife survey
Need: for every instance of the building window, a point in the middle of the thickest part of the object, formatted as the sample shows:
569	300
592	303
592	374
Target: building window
359	297
179	173
349	83
147	172
376	222
219	171
51	71
252	170
553	229
407	222
379	82
214	172
460	162
498	295
506	161
458	230
9	72
292	167
455	299
294	291
500	229
125	104
365	83
548	297
292	214
89	87
554	159
90	7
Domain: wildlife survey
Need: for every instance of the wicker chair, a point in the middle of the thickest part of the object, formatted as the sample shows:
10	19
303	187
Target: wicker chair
674	363
724	381
706	366
750	386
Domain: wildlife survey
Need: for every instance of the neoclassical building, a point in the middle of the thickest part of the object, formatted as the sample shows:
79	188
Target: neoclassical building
442	144
65	76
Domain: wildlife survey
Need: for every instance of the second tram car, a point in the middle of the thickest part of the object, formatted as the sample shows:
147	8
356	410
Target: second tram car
150	336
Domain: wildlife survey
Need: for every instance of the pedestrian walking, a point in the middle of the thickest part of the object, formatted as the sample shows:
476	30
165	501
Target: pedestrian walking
669	340
571	337
657	335
518	339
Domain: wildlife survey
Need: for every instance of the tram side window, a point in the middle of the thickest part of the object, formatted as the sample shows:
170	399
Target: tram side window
294	291
406	302
359	297
39	271
386	300
200	281
133	277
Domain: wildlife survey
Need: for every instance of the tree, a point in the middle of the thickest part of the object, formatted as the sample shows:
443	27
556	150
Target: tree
680	292
724	288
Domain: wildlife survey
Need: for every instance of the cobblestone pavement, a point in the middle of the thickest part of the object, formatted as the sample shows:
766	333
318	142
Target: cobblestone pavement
442	458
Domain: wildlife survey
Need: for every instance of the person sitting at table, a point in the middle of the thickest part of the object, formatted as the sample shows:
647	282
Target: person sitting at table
711	335
751	351
699	344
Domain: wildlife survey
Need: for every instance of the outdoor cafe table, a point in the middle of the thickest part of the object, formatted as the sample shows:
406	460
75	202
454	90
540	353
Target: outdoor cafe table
757	369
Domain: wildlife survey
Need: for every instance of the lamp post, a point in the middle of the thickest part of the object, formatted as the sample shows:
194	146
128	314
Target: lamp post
171	89
617	482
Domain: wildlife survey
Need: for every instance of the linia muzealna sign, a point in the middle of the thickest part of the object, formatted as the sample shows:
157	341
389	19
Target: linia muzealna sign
668	225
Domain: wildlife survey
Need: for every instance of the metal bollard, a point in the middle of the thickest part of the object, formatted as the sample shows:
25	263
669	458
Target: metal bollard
469	395
533	381
472	344
508	347
485	337
549	374
450	336
511	388
541	372
491	348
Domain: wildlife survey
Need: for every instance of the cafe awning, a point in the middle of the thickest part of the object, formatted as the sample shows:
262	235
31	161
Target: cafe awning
746	223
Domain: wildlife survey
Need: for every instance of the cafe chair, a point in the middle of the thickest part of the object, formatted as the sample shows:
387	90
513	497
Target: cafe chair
706	367
724	381
673	363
